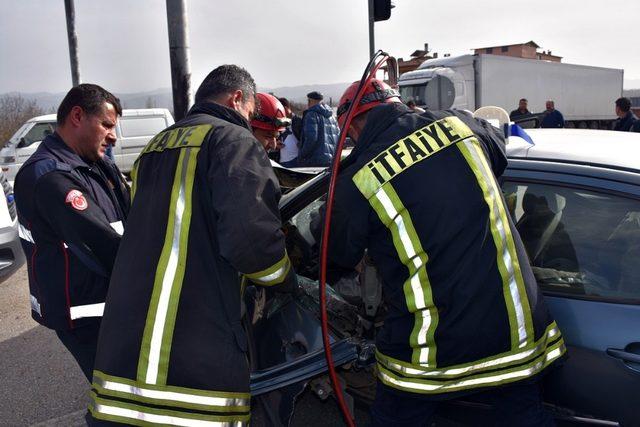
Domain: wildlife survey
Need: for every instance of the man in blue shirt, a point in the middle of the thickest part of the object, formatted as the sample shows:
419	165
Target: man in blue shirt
552	118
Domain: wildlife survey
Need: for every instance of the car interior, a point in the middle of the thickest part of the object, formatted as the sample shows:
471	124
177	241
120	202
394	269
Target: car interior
580	242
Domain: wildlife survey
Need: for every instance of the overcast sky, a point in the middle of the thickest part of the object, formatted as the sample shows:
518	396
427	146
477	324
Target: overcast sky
123	44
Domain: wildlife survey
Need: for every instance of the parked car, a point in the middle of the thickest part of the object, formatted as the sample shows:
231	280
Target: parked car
11	255
134	129
575	199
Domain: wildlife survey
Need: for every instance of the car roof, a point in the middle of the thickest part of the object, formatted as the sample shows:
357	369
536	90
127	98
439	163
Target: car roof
45	118
125	113
618	150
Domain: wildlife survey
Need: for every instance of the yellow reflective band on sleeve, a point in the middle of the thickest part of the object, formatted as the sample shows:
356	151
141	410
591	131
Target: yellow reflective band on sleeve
182	137
201	400
272	275
515	294
490	379
134	179
139	415
161	316
417	288
500	361
410	150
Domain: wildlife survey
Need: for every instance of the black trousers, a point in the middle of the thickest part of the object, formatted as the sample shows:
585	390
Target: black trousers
81	343
516	405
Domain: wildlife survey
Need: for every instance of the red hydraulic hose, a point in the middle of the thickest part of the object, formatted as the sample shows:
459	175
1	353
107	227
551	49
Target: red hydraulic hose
337	390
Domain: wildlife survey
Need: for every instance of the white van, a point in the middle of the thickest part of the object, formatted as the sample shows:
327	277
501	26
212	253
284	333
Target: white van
135	128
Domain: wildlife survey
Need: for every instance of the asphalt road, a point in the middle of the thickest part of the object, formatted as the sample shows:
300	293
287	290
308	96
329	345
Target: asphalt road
32	364
41	385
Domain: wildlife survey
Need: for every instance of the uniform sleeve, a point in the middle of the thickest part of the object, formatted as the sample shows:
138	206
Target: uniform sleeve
491	138
310	131
349	225
245	195
78	221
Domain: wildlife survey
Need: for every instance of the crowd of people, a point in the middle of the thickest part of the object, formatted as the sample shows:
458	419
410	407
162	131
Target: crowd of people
310	140
296	141
143	284
552	118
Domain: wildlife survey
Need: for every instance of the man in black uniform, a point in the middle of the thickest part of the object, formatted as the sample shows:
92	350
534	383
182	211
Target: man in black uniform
72	203
172	348
419	192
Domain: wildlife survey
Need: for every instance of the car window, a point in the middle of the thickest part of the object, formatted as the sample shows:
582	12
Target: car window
38	133
580	242
141	126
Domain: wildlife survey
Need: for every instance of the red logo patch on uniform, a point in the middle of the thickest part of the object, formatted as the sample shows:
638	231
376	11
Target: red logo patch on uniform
77	200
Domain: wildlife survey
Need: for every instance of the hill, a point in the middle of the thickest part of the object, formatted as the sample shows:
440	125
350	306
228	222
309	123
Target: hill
161	98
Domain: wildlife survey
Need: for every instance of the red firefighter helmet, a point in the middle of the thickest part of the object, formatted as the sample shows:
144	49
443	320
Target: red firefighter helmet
270	113
376	92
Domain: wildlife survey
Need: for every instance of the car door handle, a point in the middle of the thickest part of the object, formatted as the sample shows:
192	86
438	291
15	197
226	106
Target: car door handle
624	355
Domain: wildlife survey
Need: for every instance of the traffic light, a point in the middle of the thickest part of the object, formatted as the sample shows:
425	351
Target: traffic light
382	10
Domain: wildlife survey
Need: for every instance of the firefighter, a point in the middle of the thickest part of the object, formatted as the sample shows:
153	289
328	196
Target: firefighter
420	193
72	204
172	349
269	121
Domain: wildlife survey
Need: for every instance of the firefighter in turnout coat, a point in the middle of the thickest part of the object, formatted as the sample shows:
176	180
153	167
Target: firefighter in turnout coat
420	193
172	350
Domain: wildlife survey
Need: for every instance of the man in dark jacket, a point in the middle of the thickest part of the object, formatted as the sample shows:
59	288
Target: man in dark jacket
522	111
319	133
419	192
552	118
626	119
72	203
172	348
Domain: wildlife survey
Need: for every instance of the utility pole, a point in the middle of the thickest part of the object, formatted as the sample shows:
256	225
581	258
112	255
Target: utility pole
178	25
70	12
372	42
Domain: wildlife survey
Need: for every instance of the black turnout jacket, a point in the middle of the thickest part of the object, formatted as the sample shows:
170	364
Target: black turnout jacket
205	208
420	193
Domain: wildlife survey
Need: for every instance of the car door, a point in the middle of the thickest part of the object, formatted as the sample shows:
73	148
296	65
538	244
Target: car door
581	228
285	340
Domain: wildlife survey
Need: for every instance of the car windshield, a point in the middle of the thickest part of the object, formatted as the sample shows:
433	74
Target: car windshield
415	93
15	138
436	94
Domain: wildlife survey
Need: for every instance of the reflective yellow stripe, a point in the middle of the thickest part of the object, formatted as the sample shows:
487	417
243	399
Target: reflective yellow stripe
500	361
203	400
272	275
373	181
140	415
417	288
158	332
494	378
182	137
134	179
515	295
410	150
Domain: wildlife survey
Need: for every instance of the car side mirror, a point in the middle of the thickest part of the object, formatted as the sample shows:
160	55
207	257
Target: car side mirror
22	143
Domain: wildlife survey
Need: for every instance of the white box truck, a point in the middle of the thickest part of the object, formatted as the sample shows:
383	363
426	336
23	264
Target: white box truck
585	95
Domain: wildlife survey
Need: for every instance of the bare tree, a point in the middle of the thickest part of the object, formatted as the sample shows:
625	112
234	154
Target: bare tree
14	111
298	107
